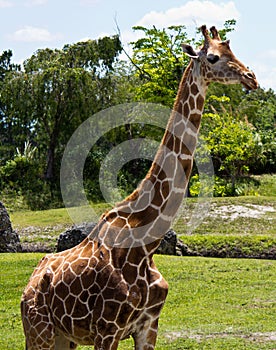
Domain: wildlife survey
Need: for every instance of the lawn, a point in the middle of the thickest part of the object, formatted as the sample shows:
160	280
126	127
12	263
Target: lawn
212	303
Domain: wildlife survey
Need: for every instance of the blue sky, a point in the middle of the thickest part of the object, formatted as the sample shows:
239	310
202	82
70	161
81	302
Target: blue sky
27	25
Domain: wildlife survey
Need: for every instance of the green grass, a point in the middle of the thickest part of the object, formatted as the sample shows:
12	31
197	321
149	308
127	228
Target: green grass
267	184
250	246
42	228
15	272
212	303
41	218
45	218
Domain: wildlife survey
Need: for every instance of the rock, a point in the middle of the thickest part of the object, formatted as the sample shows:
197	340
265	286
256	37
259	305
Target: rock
9	239
183	250
170	245
72	237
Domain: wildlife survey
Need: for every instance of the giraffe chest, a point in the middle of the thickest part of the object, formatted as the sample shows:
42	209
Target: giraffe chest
107	300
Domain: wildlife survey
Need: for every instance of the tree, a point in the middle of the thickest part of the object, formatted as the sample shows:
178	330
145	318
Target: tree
57	90
7	132
259	107
232	143
159	62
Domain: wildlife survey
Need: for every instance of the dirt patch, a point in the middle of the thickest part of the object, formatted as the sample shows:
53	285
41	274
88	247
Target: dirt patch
233	212
257	336
40	239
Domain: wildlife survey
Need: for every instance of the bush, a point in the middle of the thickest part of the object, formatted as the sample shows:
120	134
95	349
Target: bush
21	178
223	187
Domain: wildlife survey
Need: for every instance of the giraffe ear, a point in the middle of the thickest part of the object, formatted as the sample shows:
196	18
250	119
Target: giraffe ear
189	51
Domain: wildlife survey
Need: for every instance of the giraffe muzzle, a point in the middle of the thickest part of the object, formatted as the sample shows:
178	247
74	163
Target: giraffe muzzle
249	81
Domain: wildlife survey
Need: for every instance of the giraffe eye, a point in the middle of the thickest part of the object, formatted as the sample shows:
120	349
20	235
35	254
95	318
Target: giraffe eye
212	58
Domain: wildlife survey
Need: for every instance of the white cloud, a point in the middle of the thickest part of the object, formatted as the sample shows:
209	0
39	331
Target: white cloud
4	3
34	34
193	12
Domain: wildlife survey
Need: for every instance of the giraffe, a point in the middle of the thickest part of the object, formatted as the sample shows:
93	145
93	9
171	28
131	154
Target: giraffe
108	288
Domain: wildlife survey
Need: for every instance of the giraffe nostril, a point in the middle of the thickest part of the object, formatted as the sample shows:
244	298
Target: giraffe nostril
250	75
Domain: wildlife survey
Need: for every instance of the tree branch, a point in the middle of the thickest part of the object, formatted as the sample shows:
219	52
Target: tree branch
143	73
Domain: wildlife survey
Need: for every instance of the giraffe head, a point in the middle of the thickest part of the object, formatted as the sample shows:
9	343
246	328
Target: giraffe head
218	63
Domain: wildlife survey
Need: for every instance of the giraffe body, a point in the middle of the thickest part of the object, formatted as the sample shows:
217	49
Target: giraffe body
108	287
98	302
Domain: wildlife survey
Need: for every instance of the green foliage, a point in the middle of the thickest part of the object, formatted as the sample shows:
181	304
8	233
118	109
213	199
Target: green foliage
19	177
229	26
6	124
60	88
159	60
93	55
20	172
260	109
238	127
222	187
267	184
233	144
244	186
132	172
6	65
257	109
45	103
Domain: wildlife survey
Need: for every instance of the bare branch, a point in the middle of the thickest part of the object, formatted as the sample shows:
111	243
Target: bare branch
143	73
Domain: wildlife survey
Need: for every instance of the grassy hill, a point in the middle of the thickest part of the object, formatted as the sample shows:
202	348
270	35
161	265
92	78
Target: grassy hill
219	227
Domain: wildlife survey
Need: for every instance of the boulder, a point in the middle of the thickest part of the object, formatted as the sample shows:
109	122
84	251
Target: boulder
170	245
9	239
73	236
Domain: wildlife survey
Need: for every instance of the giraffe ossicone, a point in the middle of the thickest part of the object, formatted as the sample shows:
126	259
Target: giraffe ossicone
100	292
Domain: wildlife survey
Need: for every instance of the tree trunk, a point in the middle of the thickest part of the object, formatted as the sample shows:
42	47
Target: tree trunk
50	163
49	172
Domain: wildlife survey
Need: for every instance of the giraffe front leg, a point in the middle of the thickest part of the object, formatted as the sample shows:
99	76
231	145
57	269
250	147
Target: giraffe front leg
38	327
105	343
145	338
61	343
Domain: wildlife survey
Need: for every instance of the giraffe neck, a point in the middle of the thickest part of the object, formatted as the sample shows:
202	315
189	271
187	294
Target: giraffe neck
179	141
145	216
